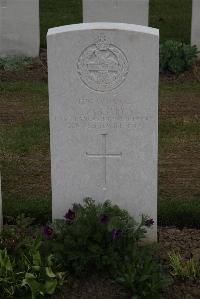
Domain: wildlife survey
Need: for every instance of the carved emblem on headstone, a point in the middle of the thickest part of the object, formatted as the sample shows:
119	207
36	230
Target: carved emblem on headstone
102	66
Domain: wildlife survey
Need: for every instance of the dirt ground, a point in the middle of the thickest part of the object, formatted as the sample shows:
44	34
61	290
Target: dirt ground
186	242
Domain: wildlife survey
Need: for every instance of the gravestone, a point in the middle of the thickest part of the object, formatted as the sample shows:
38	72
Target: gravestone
123	11
19	27
195	31
103	88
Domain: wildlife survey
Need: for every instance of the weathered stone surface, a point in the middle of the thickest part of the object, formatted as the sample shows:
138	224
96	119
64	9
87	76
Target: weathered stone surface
103	88
19	27
123	11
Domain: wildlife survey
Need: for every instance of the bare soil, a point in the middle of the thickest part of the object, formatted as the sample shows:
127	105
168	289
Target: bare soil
188	76
179	164
179	171
186	242
94	287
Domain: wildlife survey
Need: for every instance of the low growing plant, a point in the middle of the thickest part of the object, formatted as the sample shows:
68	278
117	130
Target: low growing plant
142	275
14	236
10	281
40	277
14	63
185	269
24	270
177	57
94	237
91	237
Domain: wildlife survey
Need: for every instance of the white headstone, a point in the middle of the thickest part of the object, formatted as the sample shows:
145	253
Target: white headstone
195	31
19	27
123	11
103	88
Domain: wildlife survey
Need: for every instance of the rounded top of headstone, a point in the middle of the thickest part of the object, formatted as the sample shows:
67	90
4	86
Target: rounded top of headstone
103	26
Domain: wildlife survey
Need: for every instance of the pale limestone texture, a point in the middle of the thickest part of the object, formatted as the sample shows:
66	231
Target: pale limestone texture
103	91
123	11
195	31
19	27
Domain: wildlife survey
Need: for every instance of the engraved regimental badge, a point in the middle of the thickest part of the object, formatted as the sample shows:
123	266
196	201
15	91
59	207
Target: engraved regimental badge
102	66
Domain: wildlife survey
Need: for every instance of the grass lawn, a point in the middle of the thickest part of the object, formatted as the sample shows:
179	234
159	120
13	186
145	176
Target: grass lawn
24	146
58	13
172	17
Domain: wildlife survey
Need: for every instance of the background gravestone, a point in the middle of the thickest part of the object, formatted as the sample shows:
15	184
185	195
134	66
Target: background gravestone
124	11
103	87
19	27
195	32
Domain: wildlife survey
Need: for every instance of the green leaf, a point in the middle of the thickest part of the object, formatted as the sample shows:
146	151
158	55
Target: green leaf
50	286
49	272
37	259
35	286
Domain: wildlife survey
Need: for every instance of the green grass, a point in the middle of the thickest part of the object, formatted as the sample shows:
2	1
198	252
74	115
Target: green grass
171	134
58	13
179	87
172	128
30	136
178	213
24	149
34	207
172	17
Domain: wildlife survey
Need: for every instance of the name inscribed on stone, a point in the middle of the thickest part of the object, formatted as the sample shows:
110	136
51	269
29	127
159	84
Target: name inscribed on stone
102	113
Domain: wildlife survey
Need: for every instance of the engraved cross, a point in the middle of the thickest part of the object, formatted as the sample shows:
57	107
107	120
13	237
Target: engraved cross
104	155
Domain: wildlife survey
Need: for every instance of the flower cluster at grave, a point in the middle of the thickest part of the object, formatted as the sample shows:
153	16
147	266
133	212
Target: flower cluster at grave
91	237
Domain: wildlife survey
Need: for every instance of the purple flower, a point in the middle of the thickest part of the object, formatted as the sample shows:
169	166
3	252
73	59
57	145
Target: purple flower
149	222
47	231
104	218
70	215
116	233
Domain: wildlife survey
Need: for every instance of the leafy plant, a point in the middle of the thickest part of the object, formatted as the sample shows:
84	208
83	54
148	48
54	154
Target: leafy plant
14	63
177	57
25	270
181	268
142	275
10	280
14	236
40	276
95	237
91	237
